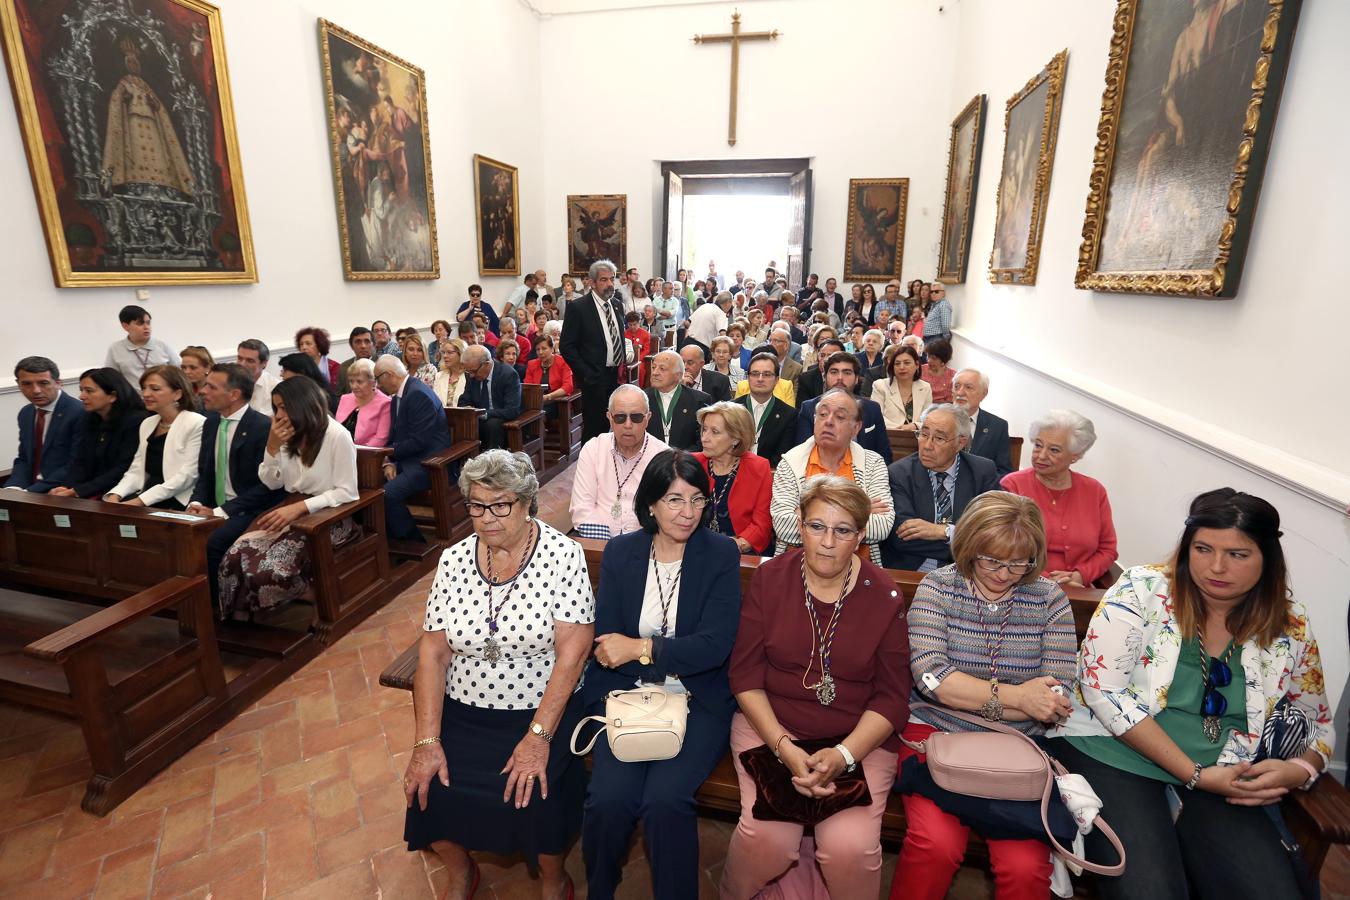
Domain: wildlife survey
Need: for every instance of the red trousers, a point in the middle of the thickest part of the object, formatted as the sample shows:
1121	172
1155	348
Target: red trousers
935	846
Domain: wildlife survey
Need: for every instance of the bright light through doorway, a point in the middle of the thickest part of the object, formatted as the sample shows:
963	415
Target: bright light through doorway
736	232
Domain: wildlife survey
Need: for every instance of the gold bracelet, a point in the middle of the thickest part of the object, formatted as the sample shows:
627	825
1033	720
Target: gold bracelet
425	741
779	743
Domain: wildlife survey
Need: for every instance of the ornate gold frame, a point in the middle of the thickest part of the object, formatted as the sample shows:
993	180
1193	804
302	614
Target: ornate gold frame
622	262
853	184
950	272
1054	74
479	159
1221	280
330	110
43	186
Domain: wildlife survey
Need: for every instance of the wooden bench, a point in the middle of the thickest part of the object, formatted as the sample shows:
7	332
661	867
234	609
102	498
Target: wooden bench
525	433
121	634
903	443
1318	818
562	433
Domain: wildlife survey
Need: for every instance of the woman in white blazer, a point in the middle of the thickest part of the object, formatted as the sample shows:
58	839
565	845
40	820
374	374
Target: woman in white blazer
901	395
164	472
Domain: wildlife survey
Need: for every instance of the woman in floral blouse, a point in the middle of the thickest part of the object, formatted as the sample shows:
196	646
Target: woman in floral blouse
1180	668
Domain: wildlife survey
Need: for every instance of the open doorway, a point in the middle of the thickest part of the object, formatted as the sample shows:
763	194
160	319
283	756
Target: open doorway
739	213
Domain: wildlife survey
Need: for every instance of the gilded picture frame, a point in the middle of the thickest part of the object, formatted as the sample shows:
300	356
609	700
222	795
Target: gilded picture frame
597	228
496	196
1030	132
379	138
1187	117
963	178
874	243
128	126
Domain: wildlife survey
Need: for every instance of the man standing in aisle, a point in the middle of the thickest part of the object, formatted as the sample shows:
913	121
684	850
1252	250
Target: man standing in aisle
593	345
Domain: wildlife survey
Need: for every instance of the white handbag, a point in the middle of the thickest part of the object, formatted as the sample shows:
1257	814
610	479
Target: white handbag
642	725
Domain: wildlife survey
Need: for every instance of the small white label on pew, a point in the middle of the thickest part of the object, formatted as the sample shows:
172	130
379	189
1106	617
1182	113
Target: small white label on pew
127	531
4	515
182	517
61	521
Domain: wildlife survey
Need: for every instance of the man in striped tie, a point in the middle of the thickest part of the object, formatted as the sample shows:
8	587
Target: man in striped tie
931	488
233	441
593	345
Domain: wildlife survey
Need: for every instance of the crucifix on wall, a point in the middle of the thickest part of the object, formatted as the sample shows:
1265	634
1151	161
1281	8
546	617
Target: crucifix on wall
735	38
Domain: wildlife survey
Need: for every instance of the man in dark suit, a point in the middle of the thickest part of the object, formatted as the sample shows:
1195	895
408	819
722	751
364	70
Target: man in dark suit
234	439
592	343
49	427
714	384
791	315
417	430
969	389
674	407
775	421
931	489
836	299
493	389
811	383
842	370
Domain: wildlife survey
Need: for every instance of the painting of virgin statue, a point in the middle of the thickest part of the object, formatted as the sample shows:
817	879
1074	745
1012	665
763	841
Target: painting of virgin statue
377	124
129	127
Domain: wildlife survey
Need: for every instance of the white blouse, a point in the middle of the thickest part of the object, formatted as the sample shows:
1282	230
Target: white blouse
554	586
661	575
331	480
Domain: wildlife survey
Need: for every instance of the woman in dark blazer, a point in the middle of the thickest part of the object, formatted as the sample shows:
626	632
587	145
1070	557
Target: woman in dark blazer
112	434
741	481
661	624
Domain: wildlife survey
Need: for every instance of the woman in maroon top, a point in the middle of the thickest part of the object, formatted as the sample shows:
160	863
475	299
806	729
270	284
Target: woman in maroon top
834	666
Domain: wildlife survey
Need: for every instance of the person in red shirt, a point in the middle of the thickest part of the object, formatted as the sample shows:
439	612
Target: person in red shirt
550	370
642	341
742	481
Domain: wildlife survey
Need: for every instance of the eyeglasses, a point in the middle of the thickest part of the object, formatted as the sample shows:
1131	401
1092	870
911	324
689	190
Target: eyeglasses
992	566
475	294
842	532
500	509
622	418
935	437
675	503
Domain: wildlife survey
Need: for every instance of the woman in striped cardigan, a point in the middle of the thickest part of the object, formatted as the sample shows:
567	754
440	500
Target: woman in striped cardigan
987	635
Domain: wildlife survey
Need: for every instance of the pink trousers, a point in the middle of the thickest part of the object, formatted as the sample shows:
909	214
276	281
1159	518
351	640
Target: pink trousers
776	861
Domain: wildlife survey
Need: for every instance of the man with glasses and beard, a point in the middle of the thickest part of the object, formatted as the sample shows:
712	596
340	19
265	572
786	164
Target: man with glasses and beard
610	467
593	345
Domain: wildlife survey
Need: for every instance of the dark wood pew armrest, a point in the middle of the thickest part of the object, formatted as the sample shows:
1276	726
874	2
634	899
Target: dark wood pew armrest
59	645
370	465
1327	807
529	417
453	453
310	523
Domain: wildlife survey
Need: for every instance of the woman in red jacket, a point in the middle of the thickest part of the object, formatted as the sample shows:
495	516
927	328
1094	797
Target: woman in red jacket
742	482
642	343
314	343
551	371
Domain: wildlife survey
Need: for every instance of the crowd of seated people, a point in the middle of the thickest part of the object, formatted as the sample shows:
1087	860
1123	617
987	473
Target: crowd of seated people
758	422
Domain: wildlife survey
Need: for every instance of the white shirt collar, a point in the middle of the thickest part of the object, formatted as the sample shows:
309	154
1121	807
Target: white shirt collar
401	385
50	408
237	415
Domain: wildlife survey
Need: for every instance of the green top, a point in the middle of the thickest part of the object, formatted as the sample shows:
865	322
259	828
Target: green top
1180	718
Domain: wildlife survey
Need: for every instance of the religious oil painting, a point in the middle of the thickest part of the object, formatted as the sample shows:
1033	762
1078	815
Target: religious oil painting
1186	123
127	120
874	245
378	133
963	174
496	191
1030	125
597	228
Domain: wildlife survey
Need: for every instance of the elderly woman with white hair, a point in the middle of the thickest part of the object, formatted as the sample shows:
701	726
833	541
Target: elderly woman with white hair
1081	538
873	344
364	412
508	628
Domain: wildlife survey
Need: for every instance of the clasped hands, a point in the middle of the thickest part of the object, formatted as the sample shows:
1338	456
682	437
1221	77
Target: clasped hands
921	530
813	774
1253	784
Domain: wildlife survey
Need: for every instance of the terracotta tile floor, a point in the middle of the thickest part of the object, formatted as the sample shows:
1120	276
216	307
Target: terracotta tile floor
298	797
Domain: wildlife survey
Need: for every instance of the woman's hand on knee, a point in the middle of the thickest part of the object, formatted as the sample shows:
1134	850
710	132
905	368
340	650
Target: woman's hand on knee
528	764
427	762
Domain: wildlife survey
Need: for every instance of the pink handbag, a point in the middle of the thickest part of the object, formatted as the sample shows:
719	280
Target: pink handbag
1002	763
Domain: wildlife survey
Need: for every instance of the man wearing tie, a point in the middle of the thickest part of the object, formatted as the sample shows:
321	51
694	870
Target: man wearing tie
593	345
495	391
418	430
234	439
930	489
49	427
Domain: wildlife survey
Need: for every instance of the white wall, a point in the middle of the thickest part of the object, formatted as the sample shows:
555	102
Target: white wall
1186	394
842	89
483	72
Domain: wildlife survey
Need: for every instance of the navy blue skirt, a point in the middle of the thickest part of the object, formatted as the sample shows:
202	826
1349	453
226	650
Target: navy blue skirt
470	812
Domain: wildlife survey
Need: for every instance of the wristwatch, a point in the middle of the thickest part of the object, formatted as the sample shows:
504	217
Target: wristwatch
539	731
645	655
849	762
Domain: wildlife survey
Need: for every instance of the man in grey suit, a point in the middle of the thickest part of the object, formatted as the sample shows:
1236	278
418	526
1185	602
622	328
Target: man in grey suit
931	489
990	435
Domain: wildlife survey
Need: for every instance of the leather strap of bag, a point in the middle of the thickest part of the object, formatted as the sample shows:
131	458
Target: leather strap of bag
1052	769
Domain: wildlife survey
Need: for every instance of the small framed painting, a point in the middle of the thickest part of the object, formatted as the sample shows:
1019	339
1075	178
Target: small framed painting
597	228
963	175
496	193
874	245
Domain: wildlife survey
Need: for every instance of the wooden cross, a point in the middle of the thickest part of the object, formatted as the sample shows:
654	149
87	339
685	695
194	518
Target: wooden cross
735	38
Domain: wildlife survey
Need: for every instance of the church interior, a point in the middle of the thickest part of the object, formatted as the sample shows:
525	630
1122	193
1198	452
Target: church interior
1102	189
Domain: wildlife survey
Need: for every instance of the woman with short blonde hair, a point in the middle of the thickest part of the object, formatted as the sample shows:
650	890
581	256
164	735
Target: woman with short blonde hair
450	381
742	481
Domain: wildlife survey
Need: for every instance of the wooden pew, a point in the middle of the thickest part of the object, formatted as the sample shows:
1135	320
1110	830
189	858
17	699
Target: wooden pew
903	443
562	433
1318	818
525	433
